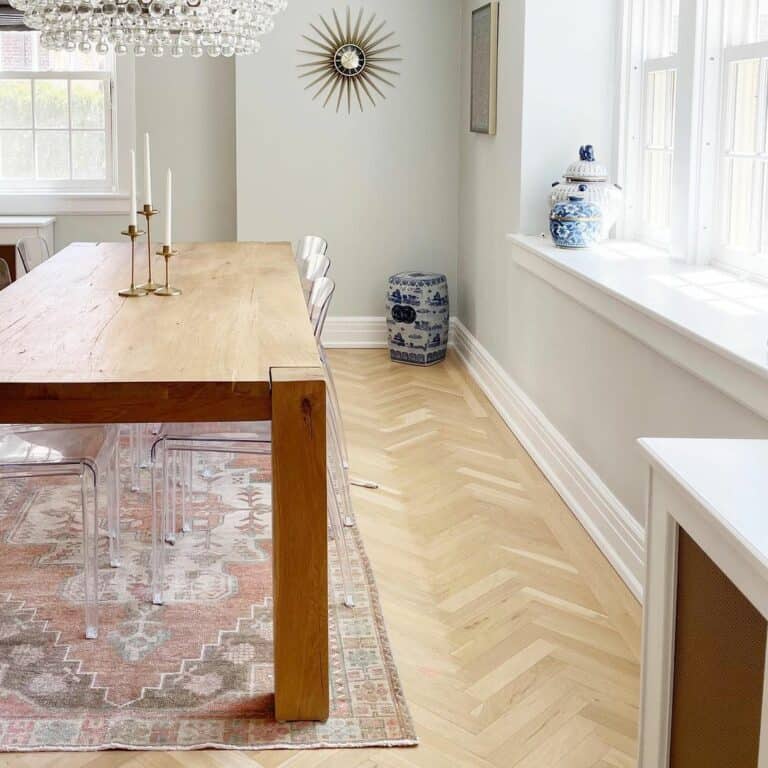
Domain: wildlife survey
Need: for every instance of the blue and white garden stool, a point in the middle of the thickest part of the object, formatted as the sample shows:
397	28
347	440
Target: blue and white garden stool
418	318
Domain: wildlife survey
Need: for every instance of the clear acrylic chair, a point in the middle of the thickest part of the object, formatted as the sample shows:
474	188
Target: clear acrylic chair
308	245
229	438
179	475
316	266
5	275
88	453
29	249
318	306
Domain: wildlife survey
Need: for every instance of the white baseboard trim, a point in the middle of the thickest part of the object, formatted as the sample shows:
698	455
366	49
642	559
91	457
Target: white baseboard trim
359	332
612	527
355	333
610	524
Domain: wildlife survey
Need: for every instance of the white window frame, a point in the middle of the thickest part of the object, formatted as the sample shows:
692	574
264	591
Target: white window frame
84	196
636	66
702	62
728	257
64	186
657	237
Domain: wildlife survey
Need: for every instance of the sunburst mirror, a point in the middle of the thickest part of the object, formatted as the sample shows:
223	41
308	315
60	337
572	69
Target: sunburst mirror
350	62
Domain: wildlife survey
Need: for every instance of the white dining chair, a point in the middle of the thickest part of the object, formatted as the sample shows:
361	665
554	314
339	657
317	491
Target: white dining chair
88	453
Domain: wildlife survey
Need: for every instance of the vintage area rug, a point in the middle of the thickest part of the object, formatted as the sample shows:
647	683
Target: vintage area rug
195	672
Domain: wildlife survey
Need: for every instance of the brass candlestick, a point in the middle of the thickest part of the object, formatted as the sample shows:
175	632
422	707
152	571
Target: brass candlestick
167	290
148	212
133	232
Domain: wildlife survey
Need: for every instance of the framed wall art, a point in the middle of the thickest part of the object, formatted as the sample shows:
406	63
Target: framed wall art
485	47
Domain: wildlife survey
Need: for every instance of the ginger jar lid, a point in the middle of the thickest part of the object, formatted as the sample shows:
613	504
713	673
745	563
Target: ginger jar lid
586	168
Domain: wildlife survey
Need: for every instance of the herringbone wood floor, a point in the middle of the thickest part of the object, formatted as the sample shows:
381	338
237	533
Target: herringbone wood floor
516	642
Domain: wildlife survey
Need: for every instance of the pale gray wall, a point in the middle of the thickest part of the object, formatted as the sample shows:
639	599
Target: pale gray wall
188	106
570	84
600	388
381	186
490	188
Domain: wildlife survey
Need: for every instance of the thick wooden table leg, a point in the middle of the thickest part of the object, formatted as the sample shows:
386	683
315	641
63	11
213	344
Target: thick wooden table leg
300	544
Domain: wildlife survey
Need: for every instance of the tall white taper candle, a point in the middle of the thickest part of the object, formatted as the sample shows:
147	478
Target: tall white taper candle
168	208
132	212
147	173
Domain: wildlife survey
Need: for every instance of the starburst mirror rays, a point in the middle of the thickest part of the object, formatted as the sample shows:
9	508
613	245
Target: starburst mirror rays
350	62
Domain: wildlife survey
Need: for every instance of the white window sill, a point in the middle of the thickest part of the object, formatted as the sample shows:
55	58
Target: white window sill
83	204
704	319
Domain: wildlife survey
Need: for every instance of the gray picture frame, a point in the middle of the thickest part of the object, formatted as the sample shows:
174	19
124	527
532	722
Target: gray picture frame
484	69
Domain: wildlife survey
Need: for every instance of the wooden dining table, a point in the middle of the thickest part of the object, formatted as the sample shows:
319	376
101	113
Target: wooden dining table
236	345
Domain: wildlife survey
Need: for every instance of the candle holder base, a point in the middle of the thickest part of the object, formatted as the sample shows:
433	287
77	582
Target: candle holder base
150	287
132	292
168	291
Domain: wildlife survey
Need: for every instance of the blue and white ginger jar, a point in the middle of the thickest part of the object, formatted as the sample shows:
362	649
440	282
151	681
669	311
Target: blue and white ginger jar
589	179
576	223
418	318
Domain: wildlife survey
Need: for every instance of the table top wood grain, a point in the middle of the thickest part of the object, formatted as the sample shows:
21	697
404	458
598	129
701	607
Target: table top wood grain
66	335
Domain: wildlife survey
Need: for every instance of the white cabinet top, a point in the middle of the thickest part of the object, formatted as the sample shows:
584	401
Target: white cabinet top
728	480
26	222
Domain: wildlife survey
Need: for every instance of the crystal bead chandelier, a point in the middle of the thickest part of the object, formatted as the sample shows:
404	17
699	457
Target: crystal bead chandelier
176	27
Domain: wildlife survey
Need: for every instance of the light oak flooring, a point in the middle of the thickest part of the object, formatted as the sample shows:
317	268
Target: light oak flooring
517	643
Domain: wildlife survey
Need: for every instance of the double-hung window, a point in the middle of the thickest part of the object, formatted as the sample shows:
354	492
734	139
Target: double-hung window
67	121
56	128
743	225
659	71
695	129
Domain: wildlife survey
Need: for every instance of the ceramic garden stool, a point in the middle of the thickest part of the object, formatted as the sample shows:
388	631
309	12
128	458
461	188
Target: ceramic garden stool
417	318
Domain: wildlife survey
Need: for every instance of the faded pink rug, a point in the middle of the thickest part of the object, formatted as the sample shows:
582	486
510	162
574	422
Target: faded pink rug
196	672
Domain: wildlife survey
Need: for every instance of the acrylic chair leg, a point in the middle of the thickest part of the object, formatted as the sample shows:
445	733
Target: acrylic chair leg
186	491
158	526
89	482
342	477
334	409
337	534
172	467
349	517
335	413
113	508
134	456
181	463
145	441
169	496
174	491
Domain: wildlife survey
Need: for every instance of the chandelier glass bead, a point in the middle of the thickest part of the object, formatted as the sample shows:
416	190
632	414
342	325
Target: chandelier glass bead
154	27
